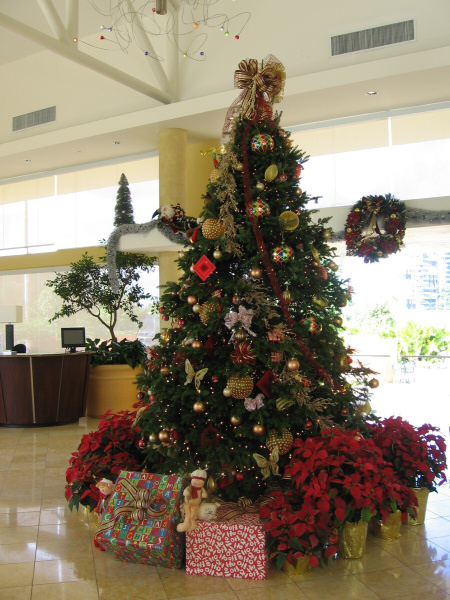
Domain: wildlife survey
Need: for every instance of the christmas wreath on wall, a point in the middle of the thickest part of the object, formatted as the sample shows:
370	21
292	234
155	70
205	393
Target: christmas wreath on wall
375	227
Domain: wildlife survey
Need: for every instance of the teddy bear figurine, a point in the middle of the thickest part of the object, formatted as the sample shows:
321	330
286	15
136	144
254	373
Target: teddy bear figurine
193	495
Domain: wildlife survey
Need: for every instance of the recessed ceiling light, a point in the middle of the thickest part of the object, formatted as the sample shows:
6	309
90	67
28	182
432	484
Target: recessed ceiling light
116	143
27	160
372	93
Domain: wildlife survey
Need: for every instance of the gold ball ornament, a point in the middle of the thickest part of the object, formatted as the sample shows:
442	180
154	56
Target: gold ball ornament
166	336
288	220
241	387
217	254
284	442
258	429
198	406
342	301
240	335
333	266
191	300
239	166
326	234
293	364
374	383
299	191
256	273
196	344
152	438
320	302
181	254
215	173
164	436
226	392
164	370
271	172
207	311
260	186
196	308
212	229
338	321
191	269
235	420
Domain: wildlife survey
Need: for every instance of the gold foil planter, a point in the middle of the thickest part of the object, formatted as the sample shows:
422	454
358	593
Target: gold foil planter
353	541
390	529
421	508
301	568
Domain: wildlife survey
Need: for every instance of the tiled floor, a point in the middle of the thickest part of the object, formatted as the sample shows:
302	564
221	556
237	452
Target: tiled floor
46	551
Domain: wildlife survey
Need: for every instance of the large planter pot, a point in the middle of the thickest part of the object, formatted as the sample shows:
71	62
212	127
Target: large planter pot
421	508
111	387
353	541
390	529
301	568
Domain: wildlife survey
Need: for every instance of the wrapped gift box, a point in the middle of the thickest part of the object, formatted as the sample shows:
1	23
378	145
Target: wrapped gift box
232	546
140	519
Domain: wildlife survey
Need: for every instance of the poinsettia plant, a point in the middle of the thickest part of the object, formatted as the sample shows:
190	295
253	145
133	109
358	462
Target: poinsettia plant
336	476
102	454
417	454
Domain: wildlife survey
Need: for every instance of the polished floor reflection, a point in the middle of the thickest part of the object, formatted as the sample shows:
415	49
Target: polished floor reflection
46	551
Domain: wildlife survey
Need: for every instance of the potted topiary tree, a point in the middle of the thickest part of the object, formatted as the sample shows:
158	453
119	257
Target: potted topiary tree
86	287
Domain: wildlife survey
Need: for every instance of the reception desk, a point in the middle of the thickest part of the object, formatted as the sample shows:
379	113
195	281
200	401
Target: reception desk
43	389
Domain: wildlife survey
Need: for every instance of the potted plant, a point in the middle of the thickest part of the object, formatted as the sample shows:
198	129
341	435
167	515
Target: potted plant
417	455
86	287
339	481
102	454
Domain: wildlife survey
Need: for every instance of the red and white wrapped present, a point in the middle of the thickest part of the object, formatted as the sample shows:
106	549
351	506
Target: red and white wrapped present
234	545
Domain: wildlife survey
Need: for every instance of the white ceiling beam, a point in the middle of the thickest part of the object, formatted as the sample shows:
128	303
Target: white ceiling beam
51	14
70	52
72	18
144	42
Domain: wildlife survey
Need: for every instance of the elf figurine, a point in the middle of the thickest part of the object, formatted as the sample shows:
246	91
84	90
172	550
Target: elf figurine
106	487
193	495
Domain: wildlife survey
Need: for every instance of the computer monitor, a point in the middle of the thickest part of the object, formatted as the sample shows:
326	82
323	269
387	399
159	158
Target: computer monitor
73	337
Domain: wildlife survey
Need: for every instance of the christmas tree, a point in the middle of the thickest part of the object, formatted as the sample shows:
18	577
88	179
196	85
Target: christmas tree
124	208
253	356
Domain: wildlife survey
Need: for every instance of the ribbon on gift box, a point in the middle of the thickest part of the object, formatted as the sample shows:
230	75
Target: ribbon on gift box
138	509
232	510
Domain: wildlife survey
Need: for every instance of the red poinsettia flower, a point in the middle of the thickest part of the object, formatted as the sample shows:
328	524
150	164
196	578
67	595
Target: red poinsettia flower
337	476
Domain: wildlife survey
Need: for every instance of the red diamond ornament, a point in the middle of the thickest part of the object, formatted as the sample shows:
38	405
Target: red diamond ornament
266	382
204	267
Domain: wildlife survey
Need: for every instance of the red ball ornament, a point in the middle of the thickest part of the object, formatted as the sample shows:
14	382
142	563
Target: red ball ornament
161	309
240	476
142	444
308	425
181	322
165	318
282	177
344	411
152	398
140	395
298	171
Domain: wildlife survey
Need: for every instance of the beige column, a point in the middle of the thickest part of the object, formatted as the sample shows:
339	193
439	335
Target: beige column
183	176
172	191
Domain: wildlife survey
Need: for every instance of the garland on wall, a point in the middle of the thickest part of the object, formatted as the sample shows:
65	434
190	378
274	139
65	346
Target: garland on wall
375	227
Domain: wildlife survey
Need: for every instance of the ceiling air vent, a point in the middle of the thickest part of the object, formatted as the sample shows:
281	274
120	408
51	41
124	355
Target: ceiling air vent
32	119
386	35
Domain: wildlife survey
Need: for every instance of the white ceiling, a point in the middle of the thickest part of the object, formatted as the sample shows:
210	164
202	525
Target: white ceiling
94	110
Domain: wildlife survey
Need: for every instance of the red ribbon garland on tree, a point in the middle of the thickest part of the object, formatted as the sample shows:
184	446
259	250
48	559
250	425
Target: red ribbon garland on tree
268	263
